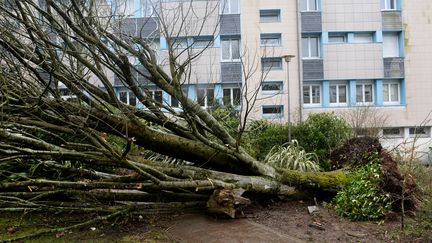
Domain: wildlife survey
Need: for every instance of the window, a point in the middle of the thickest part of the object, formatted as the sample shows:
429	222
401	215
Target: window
394	132
337	38
124	8
419	131
312	94
180	42
309	5
391	92
310	47
230	7
270	39
148	8
132	99
175	102
231	96
205	97
202	41
391	45
270	15
230	49
363	37
156	95
388	4
66	94
364	93
338	94
272	87
271	63
127	97
272	111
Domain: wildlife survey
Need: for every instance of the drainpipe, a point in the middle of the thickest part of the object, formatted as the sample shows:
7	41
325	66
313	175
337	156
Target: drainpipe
300	62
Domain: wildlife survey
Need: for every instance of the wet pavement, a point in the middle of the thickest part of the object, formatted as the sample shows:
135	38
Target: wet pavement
201	228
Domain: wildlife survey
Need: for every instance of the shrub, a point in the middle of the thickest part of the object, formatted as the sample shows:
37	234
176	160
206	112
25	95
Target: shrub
268	136
362	198
228	117
292	157
321	133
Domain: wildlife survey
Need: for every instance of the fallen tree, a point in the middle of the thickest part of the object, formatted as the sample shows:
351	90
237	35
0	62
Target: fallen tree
61	154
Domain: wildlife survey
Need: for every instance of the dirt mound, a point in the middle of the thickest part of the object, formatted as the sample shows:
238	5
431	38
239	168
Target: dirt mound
355	152
395	183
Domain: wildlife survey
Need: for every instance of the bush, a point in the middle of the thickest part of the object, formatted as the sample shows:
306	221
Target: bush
362	198
228	117
292	157
321	133
266	136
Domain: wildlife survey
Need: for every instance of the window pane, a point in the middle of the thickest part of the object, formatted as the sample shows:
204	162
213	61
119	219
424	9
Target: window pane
235	45
303	5
314	46
305	47
234	7
146	8
363	37
394	92
132	99
201	96
342	94
158	96
227	97
386	92
312	5
174	102
269	18
392	4
336	39
271	87
272	110
391	45
271	63
225	6
270	15
333	94
359	93
417	131
391	131
236	96
225	49
202	42
306	94
123	97
368	92
270	40
316	95
210	97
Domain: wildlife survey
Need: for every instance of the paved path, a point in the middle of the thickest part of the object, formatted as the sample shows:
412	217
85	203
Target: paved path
201	228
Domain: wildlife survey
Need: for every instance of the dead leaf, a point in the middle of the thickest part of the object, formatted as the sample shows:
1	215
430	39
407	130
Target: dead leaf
60	234
11	230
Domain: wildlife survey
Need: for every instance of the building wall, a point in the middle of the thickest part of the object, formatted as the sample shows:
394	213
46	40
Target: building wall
351	15
417	21
252	28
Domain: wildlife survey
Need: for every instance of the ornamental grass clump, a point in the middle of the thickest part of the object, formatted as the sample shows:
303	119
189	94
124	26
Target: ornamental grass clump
293	157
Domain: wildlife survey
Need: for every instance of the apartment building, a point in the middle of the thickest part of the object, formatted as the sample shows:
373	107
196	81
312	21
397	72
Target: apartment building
370	53
348	54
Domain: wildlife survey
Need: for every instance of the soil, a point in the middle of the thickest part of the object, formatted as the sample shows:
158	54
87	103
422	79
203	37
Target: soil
292	218
284	221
